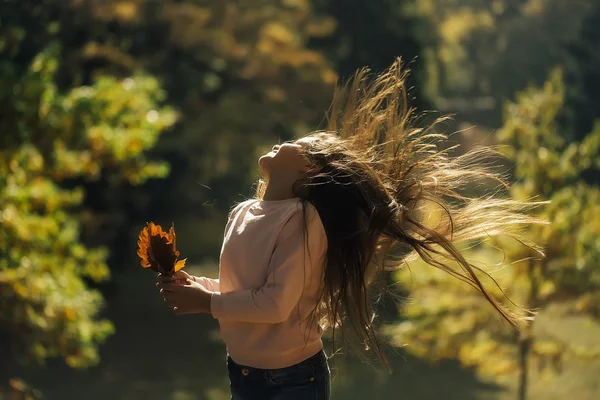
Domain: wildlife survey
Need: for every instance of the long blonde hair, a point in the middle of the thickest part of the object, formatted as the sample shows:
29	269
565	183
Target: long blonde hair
376	174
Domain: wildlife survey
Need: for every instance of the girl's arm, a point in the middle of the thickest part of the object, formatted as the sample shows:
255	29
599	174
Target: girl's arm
276	299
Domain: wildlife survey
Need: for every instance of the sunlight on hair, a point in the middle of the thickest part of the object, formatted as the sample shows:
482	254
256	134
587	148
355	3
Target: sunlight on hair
389	192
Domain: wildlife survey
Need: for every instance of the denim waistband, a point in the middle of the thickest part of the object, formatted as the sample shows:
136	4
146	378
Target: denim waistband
319	358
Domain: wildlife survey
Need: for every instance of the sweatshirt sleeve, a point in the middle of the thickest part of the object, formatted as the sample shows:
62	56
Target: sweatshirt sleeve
276	299
209	284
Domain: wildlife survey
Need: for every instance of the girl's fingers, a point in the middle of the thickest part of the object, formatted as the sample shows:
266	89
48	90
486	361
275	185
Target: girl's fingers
170	303
181	274
169	300
166	283
166	287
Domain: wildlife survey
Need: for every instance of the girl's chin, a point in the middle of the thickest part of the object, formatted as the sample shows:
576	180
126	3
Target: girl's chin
263	164
266	157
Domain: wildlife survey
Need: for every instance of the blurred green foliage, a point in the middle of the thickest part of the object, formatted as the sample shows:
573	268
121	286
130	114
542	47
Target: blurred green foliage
50	141
485	51
450	320
81	120
240	72
549	166
84	86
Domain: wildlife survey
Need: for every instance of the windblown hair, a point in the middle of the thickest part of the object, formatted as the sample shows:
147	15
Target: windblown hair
373	177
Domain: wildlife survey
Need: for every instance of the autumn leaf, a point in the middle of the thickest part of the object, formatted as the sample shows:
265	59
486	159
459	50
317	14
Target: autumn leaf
157	249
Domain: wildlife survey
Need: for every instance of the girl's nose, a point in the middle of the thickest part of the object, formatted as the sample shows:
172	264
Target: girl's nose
276	147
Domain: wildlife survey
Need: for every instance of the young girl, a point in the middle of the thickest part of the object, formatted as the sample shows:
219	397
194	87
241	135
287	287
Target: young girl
336	210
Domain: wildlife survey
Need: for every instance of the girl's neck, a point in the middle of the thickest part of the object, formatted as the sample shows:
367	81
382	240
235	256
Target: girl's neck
274	192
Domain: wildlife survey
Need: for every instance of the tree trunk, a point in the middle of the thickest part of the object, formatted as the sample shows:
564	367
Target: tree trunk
526	335
524	347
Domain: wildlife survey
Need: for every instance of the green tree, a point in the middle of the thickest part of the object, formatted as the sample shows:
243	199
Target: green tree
450	321
51	141
582	76
484	51
240	72
243	73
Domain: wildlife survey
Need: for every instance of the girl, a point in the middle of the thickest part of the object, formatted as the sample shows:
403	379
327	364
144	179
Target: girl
336	210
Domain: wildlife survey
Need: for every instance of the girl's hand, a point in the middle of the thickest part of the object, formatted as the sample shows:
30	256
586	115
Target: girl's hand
179	277
188	298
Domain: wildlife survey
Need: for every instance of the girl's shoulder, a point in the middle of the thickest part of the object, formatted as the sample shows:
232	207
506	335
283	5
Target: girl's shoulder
238	206
296	208
285	210
306	214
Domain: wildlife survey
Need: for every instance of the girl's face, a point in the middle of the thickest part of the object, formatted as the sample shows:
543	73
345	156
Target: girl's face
285	162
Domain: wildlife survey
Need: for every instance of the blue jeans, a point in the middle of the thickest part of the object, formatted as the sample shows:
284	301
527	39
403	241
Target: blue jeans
307	380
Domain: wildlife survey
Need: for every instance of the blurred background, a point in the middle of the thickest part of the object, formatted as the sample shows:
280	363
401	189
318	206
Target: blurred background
114	113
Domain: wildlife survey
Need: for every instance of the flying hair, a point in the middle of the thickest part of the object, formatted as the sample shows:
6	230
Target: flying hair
374	178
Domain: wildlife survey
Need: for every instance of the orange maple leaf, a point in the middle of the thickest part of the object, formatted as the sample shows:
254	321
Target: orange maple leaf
158	251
